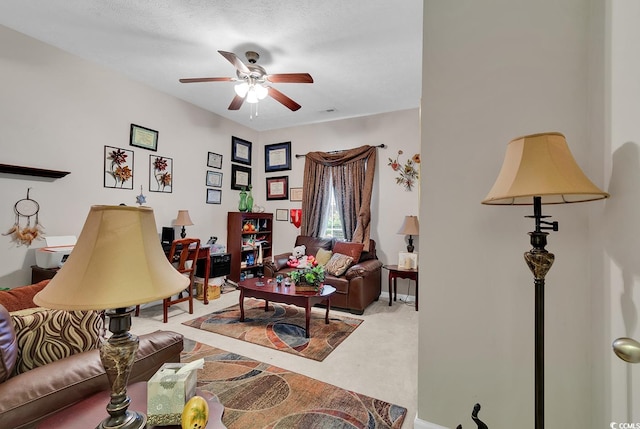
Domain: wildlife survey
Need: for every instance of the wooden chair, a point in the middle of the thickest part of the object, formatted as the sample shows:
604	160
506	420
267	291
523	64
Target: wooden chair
182	251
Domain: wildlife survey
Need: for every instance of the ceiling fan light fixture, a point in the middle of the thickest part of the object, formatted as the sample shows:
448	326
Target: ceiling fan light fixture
252	96
261	91
241	89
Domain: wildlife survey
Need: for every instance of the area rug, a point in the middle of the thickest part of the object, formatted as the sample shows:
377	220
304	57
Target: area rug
281	328
258	395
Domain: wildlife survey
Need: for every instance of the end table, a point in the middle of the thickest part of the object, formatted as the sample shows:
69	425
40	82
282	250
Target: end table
400	273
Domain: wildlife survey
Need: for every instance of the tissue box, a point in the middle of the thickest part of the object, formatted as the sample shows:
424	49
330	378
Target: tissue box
167	392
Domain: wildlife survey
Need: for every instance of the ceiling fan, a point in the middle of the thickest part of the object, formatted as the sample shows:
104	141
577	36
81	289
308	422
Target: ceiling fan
254	81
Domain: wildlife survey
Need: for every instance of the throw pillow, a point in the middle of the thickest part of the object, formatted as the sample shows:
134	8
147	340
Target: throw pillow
8	345
338	264
323	256
350	249
45	336
21	297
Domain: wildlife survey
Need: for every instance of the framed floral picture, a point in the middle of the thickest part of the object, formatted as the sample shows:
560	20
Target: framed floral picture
118	168
160	174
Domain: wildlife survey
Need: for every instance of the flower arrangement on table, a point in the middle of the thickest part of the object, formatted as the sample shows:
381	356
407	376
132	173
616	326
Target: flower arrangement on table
308	279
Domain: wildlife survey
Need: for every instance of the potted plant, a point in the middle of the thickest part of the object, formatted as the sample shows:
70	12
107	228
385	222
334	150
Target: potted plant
310	276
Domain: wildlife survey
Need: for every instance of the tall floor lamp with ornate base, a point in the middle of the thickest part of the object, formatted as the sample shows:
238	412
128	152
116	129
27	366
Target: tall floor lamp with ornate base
117	263
539	169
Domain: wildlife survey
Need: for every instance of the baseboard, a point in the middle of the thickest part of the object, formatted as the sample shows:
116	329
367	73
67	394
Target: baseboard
421	424
403	298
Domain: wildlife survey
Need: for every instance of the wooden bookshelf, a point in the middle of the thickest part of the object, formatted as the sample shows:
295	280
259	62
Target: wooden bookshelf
244	232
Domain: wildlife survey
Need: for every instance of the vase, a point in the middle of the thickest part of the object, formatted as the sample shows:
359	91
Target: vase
249	200
242	205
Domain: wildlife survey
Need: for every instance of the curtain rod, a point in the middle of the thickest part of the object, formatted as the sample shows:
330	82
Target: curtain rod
298	155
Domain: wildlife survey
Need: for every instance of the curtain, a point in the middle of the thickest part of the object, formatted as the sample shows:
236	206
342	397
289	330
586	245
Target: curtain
350	173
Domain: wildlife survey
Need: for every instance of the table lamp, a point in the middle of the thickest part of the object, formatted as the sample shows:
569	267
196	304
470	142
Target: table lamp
539	169
117	263
183	220
410	227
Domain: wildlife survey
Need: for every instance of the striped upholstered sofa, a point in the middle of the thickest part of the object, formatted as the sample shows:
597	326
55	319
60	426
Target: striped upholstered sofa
49	359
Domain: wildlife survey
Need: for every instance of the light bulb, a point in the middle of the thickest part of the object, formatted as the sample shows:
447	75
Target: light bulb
261	91
252	97
241	89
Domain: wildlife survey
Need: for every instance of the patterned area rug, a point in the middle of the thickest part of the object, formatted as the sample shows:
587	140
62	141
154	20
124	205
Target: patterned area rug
281	328
258	395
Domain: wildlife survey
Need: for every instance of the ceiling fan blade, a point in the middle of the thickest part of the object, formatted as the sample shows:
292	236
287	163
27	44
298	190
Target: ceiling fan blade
290	78
208	79
236	103
233	59
286	101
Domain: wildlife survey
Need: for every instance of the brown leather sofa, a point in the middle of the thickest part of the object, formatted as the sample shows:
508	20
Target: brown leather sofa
358	287
31	396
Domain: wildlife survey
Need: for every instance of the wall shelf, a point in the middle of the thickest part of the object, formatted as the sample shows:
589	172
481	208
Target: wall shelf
31	171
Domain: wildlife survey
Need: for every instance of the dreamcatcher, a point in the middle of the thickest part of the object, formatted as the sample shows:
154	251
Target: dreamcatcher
26	208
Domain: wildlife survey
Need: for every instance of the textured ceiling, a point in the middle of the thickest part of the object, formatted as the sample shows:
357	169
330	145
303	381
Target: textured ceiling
365	56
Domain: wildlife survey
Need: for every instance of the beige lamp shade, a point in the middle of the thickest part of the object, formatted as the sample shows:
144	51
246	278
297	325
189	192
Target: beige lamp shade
410	226
183	218
117	262
541	165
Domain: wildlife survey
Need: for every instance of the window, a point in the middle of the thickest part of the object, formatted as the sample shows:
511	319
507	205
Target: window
333	221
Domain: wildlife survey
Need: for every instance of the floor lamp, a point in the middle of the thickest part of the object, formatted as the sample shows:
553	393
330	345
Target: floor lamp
539	169
117	263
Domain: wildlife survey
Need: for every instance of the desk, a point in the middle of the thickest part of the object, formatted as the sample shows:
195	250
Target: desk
400	273
89	412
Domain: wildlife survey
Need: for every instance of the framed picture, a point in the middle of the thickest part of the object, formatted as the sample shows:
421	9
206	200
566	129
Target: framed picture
214	160
214	178
160	174
240	177
408	261
277	157
143	137
278	188
295	194
240	151
118	168
214	196
282	214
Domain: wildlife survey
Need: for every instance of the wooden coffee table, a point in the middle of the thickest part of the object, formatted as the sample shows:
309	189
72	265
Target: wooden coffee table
268	290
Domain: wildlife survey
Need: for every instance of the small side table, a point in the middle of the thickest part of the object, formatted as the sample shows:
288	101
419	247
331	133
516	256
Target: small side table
38	274
89	412
400	273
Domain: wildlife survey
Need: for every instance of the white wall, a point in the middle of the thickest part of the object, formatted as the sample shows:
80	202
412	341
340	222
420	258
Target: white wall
58	112
621	292
493	71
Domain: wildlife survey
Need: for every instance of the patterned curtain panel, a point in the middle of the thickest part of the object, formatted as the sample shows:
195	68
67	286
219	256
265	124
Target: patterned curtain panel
350	173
